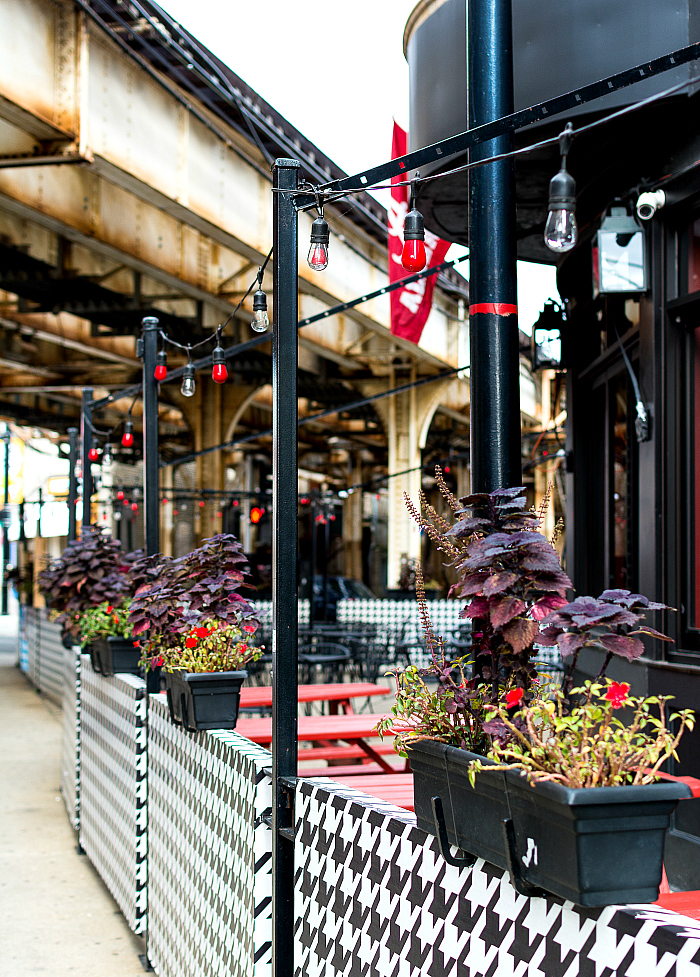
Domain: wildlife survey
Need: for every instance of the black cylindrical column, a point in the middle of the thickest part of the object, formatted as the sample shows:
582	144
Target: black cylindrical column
284	559
72	482
493	309
151	512
86	439
6	523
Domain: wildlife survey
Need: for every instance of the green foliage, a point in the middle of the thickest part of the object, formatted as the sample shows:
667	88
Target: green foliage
588	745
211	646
103	621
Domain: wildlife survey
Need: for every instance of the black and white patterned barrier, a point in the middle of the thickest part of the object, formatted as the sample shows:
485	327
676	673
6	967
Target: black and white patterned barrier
113	790
44	653
263	608
374	897
70	735
209	854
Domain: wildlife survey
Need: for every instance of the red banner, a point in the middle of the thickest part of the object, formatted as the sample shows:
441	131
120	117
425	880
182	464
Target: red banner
410	306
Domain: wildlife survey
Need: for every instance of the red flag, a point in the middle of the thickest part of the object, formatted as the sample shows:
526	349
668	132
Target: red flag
410	305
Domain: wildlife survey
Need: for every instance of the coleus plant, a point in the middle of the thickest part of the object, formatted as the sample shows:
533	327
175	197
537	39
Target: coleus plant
88	573
175	596
514	588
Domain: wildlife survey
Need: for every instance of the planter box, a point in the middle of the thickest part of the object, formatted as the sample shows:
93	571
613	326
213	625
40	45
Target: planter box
594	846
111	655
204	700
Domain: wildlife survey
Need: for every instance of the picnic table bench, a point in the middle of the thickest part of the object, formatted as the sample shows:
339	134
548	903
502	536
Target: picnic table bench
336	694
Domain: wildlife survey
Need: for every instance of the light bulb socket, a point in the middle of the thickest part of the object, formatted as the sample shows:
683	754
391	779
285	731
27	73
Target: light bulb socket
107	456
217	357
414	226
320	232
562	190
260	300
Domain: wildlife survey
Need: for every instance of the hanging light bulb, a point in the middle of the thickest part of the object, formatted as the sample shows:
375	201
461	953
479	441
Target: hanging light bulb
219	373
120	494
561	229
188	385
318	250
161	370
93	454
107	456
413	254
128	435
134	506
261	321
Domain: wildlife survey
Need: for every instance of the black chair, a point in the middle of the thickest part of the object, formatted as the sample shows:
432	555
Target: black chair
322	662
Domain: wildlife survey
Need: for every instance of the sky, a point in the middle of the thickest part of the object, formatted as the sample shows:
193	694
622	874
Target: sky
337	72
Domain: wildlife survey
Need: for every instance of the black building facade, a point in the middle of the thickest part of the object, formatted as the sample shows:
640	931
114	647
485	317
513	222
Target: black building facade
632	488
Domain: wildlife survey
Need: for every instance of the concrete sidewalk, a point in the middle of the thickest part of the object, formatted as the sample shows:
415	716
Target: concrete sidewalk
56	916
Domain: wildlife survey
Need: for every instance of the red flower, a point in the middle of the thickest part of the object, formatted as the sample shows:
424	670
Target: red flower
157	661
202	632
109	608
191	642
136	644
249	628
513	697
243	649
617	694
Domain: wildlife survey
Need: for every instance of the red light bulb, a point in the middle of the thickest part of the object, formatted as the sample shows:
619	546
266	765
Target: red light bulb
219	373
120	495
175	511
201	505
413	255
135	506
128	435
161	370
219	515
126	501
93	454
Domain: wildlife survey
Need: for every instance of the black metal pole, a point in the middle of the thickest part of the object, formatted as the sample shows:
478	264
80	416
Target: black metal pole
151	512
312	575
326	547
6	523
72	482
86	438
284	561
493	308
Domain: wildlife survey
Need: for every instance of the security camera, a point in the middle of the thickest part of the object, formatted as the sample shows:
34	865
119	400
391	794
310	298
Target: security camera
648	203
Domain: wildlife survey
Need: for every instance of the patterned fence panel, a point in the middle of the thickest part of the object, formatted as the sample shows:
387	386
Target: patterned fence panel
70	736
50	659
31	634
209	877
113	789
23	652
373	896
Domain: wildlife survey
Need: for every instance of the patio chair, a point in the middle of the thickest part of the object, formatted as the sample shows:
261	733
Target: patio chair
323	661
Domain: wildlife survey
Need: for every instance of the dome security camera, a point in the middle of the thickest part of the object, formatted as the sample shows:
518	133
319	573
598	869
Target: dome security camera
648	203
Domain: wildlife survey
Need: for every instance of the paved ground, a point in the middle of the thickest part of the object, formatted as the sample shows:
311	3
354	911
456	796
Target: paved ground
56	916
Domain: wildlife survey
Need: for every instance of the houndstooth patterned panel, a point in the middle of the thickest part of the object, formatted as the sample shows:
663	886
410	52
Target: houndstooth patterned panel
50	659
210	858
70	736
31	631
374	897
263	608
23	629
113	790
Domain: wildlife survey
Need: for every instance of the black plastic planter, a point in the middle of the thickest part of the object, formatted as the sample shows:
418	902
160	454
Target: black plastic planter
204	700
111	655
594	846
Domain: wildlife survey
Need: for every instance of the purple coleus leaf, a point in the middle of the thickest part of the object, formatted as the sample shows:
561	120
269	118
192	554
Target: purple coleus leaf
545	605
498	582
520	633
477	607
473	583
623	645
503	610
570	641
645	629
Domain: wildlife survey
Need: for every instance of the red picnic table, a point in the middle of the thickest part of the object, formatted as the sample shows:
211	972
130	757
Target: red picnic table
327	732
337	695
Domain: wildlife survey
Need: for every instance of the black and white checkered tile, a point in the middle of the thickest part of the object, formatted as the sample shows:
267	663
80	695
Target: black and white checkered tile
70	736
113	790
375	899
210	894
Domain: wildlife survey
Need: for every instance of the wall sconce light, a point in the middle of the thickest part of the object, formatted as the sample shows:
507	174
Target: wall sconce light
621	263
547	338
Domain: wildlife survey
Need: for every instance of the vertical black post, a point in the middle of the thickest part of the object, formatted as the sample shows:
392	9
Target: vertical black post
493	309
6	522
86	438
326	554
284	560
72	482
151	512
312	575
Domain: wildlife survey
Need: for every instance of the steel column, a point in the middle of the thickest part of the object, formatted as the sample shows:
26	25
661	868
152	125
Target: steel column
493	309
284	560
6	523
72	482
151	511
86	438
